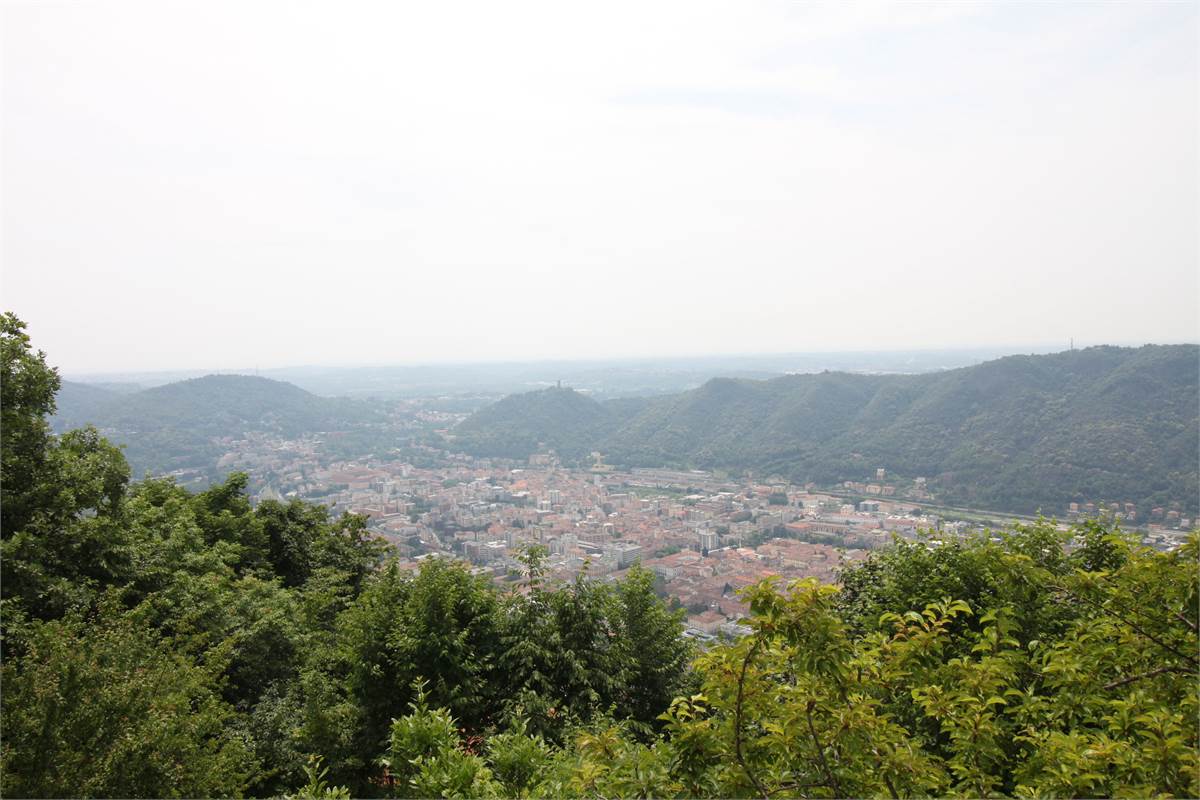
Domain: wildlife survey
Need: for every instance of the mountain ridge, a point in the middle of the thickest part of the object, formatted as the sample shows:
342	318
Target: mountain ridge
1019	433
173	426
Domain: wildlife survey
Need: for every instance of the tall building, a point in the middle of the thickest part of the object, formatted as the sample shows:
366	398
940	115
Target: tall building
624	553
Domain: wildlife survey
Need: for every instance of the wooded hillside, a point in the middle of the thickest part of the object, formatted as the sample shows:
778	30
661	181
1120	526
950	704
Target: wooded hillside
173	426
1022	434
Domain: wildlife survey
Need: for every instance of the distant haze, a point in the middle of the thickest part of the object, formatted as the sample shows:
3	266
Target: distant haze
208	185
599	378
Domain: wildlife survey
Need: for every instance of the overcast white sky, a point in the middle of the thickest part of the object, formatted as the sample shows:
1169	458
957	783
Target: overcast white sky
219	185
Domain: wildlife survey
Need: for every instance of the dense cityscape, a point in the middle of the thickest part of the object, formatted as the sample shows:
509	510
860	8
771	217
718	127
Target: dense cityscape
704	535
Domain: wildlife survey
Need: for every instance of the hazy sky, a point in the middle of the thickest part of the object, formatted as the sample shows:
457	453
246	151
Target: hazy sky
219	185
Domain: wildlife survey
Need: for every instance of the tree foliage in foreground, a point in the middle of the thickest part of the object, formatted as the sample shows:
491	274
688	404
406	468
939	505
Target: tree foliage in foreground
1081	681
161	643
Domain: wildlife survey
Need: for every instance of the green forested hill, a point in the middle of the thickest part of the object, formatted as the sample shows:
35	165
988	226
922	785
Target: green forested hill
173	426
228	403
80	404
564	419
1021	433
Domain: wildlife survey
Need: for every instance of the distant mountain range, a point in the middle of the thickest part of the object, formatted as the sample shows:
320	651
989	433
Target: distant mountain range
627	377
1021	433
173	426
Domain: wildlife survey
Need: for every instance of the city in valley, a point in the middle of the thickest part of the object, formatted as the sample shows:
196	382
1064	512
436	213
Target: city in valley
704	535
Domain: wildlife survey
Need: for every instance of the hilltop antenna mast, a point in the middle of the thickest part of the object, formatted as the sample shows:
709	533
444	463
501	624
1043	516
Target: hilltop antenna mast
1072	344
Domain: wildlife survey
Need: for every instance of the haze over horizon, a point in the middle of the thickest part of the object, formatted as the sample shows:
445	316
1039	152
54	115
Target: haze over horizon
965	355
191	185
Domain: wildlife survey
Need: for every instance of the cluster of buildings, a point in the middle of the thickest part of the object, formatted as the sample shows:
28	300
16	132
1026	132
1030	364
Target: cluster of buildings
1166	517
1162	527
704	537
